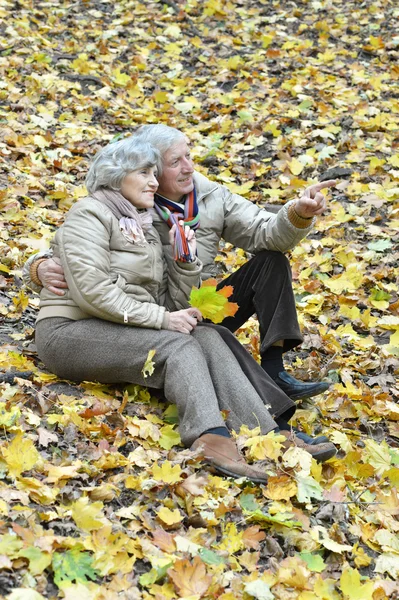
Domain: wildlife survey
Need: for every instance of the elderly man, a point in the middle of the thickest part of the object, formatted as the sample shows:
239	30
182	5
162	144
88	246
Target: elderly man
263	285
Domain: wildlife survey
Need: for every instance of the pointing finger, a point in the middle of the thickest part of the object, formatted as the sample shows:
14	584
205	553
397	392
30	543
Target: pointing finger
322	185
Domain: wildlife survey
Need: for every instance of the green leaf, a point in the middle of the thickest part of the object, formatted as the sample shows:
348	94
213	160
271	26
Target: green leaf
248	502
171	415
169	437
377	294
73	565
147	579
314	561
285	519
380	246
308	488
211	558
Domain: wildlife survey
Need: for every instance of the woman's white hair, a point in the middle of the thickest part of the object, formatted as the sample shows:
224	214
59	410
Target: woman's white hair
111	164
162	137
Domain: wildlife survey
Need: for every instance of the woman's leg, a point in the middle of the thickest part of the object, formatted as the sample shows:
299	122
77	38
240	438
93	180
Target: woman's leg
94	349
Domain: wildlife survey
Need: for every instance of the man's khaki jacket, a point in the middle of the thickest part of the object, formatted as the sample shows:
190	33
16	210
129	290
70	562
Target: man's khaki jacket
231	217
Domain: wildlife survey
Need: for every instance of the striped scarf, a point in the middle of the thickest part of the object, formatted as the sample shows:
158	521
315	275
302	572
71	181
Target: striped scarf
171	213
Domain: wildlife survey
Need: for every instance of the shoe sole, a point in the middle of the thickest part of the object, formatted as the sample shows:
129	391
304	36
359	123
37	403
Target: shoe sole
228	473
305	396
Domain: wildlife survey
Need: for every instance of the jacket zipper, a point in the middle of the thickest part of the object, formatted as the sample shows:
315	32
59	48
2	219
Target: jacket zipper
125	319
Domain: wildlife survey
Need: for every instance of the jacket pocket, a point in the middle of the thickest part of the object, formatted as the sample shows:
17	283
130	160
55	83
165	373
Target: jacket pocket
119	281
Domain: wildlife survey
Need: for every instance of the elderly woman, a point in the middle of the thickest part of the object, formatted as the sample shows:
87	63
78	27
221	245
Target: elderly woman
126	296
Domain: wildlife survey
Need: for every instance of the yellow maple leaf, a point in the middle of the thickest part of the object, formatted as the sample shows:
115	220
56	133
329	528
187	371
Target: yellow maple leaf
166	472
190	579
20	455
281	488
119	78
88	516
265	446
170	517
353	589
213	303
350	280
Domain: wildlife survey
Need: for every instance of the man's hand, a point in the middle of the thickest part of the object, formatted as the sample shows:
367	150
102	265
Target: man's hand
313	202
184	320
51	274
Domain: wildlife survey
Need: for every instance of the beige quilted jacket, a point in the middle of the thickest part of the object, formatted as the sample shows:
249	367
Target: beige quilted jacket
113	279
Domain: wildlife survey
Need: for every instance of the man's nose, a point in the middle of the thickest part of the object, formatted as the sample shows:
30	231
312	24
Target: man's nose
188	165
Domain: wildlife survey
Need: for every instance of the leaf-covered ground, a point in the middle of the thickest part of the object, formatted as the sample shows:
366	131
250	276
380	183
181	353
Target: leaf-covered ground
97	498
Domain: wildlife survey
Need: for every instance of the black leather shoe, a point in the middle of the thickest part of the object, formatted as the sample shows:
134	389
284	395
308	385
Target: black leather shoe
321	439
299	390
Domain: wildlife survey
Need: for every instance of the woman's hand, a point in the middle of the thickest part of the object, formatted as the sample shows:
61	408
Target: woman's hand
51	274
190	237
184	320
313	202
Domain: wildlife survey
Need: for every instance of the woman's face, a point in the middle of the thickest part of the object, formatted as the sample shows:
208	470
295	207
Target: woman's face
140	186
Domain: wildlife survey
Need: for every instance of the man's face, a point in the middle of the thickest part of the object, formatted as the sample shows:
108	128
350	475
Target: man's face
177	174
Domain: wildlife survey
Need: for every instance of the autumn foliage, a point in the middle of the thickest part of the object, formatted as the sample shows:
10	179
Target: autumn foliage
98	499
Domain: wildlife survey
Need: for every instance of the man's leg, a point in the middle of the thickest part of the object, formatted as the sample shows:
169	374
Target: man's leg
264	286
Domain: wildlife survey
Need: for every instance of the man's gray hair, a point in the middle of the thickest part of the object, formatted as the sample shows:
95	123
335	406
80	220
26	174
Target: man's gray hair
111	164
160	136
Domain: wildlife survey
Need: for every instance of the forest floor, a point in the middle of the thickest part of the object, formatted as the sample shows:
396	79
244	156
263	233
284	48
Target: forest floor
98	499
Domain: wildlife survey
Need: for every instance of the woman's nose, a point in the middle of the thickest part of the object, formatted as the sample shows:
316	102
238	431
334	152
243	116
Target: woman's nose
153	181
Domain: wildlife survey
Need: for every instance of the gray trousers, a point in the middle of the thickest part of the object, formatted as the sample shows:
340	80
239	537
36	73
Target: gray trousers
202	372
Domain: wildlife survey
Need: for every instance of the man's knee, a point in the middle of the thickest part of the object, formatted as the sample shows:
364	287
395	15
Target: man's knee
271	258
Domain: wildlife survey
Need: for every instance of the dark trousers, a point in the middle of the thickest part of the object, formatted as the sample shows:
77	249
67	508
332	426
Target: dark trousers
264	286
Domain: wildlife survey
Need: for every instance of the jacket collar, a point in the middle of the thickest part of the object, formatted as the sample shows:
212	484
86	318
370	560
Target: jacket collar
203	185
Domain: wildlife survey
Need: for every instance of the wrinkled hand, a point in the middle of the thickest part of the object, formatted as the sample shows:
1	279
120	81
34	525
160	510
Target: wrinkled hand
51	274
190	237
184	320
313	202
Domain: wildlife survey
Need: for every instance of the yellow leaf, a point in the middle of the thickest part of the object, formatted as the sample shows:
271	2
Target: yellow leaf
281	488
353	589
20	455
265	446
25	594
350	280
394	160
166	472
375	163
295	166
243	189
119	78
149	365
378	456
56	473
88	516
234	62
161	97
190	579
170	517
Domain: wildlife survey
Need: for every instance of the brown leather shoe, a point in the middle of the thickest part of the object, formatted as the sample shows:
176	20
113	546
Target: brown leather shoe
222	453
320	452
